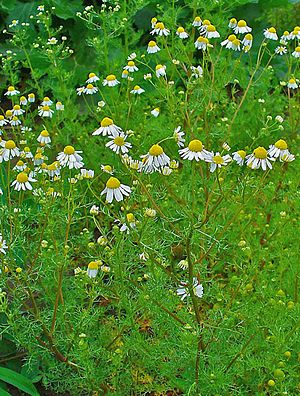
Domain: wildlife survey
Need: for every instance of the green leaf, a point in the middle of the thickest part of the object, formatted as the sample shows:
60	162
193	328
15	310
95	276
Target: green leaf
22	11
18	380
4	393
66	9
7	6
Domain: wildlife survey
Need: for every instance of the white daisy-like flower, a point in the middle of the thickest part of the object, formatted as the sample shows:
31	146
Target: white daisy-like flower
155	158
90	89
17	110
295	34
131	67
292	84
92	270
137	90
147	76
132	56
211	32
242	27
197	22
239	157
31	98
160	30
53	169
92	77
281	50
270	33
201	43
174	164
110	81
20	166
205	24
107	127
296	53
178	135
3	121
259	159
86	173
15	121
197	71
44	137
194	151
59	106
11	91
70	158
287	157
152	47
183	290
26	153
285	37
183	264
160	70
217	160
52	41
9	151
226	146
107	169
135	164
279	119
181	33
80	90
118	144
155	112
279	149
125	74
165	170
45	111
153	22
23	101
94	210
232	23
115	190
3	245
46	101
22	182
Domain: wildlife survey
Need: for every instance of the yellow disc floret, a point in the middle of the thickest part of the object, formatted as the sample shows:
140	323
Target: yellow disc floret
232	37
17	107
113	183
93	265
22	177
10	144
249	37
218	159
242	23
111	77
233	20
136	88
281	144
106	122
242	153
91	75
130	217
119	141
180	29
152	43
69	150
159	26
211	28
130	64
272	30
195	145
156	150
260	152
45	133
10	88
90	86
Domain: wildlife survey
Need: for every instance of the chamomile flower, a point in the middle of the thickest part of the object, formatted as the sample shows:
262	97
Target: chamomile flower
131	67
3	245
194	151
292	84
90	89
31	98
165	170
197	71
44	137
160	70
137	90
232	23
11	91
205	24
287	157
110	81
181	33
9	151
80	90
3	121
279	149
17	110
22	182
295	34
160	30
259	159
26	153
20	166
296	53
270	33
70	158
107	127
45	111
247	42
281	50
178	135
52	41
211	32
125	74
94	210
92	270
155	112
115	190
228	42
92	77
183	290
107	169
239	157
201	43
152	47
132	56
59	106
118	143
285	37
242	27
217	160
86	173
46	101
197	22
23	101
155	158
153	22
15	121
53	169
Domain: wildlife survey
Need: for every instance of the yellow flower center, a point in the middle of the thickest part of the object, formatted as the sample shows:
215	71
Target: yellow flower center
26	150
260	152
151	43
52	166
159	67
10	144
90	86
286	33
69	150
125	72
111	77
197	19
45	133
232	20
22	177
232	37
31	95
119	141
91	75
249	37
195	145
211	28
46	99
242	153
236	42
292	81
272	30
1	117
130	217
297	49
180	29
20	163
281	144
11	88
218	159
106	122
15	118
156	150
113	183
17	107
242	23
202	40
46	108
153	20
8	113
160	26
206	22
136	87
93	265
130	63
107	168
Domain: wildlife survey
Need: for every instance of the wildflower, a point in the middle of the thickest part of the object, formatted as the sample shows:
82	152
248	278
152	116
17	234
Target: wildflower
259	159
147	76
115	190
15	121
118	143
46	101
107	169
107	127
3	245
155	158
52	41
22	182
92	270
279	149
232	23
295	34
279	119
183	290
137	90
280	50
150	213
110	81
90	89
11	91
270	33
165	170
86	173
44	137
59	106
14	22
174	164
178	135
31	98
160	70
296	53
247	42
94	210
201	43
27	153
101	104
17	110
20	166
181	33
211	32
160	30
204	26
155	112
131	67
228	42
242	27
153	22
292	84
23	101
105	268
183	264
131	56
53	169
195	150
92	77
152	47
70	158
287	158
197	22
9	114
45	111
3	121
217	161
80	90
9	151
197	71
239	157
125	74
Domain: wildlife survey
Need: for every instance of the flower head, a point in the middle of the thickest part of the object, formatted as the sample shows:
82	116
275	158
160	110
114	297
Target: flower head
115	190
259	159
70	158
183	290
217	160
107	127
152	47
270	33
242	27
194	151
118	143
160	30
155	158
110	81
